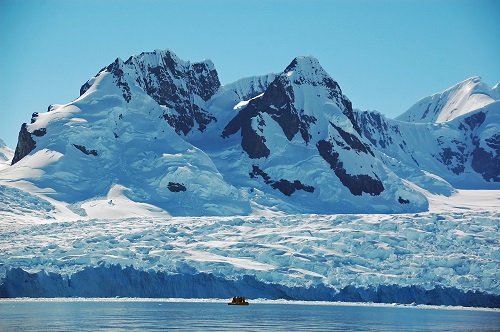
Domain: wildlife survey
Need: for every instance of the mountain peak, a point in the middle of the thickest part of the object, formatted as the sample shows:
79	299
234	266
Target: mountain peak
306	67
462	98
301	62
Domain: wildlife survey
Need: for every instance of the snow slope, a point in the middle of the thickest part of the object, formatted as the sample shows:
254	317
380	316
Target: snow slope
454	102
6	155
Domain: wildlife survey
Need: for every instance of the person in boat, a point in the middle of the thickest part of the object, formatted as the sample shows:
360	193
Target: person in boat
239	300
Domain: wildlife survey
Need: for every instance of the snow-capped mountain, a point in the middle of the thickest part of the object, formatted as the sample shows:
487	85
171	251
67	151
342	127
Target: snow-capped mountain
116	134
454	135
181	88
300	138
169	134
464	97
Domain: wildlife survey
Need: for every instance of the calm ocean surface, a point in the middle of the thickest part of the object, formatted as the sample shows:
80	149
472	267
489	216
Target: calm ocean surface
159	315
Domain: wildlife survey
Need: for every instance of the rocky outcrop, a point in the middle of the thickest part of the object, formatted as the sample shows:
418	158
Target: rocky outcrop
25	144
85	150
285	186
487	163
176	187
357	184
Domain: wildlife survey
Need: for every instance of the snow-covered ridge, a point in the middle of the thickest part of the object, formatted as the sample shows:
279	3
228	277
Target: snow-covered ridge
462	152
454	102
181	87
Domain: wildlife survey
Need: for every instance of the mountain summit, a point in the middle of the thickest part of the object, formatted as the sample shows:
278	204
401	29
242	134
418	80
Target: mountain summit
163	132
452	103
180	87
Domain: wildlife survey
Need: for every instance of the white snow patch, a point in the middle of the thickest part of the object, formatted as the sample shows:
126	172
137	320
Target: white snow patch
244	103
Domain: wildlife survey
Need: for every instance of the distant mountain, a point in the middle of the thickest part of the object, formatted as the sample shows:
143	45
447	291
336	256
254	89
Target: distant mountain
166	133
454	134
465	97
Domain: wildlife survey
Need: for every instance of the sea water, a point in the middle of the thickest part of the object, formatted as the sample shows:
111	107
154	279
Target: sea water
203	315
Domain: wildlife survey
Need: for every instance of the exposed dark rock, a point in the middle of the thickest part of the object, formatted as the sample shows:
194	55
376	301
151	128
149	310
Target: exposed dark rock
357	184
116	69
203	80
87	84
25	144
475	120
39	132
85	150
375	128
352	141
285	186
176	187
277	101
333	88
174	85
401	200
424	115
288	188
251	142
84	88
241	119
34	116
487	163
256	171
171	83
455	160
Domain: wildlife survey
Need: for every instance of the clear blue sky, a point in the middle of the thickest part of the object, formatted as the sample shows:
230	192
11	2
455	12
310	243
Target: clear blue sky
385	54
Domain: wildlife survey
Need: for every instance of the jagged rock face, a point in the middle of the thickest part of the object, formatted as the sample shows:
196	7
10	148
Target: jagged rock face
25	144
279	102
357	184
283	185
322	80
181	87
377	129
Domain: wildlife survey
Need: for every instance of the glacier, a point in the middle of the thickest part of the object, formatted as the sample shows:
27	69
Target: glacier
447	256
